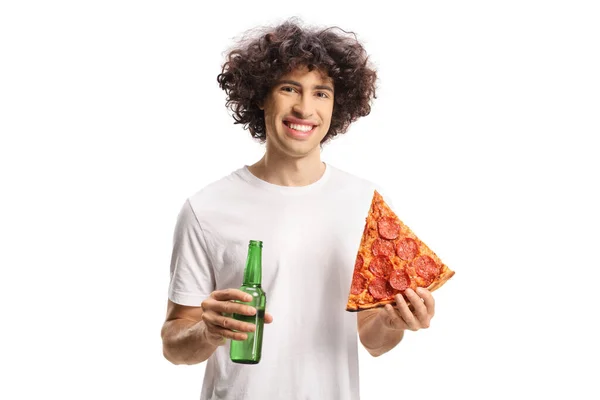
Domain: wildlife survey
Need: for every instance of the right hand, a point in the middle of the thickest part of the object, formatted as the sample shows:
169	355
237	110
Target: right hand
216	312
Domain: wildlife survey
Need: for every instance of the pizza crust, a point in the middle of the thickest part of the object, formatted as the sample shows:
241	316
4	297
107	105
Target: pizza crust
363	307
443	278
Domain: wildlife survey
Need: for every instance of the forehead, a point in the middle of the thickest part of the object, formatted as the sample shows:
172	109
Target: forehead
303	75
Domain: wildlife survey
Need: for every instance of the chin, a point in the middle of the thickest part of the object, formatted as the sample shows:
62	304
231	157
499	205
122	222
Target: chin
299	151
296	148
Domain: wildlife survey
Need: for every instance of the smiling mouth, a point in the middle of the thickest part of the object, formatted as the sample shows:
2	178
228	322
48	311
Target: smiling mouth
302	129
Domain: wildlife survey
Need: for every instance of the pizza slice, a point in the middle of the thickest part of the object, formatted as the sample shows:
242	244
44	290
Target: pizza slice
390	259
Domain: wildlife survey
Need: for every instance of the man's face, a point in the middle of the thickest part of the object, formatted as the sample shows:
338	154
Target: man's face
298	112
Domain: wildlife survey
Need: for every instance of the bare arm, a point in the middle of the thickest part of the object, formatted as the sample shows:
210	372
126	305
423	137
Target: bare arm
184	335
382	329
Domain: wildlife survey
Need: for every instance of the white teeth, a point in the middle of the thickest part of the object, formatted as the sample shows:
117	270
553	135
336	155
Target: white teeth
301	128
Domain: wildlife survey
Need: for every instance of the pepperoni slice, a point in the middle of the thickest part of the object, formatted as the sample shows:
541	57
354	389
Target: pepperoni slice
399	280
358	264
381	266
358	284
388	228
407	249
380	288
426	268
382	247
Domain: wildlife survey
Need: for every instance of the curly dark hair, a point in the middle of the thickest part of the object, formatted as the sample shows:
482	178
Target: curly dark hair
259	60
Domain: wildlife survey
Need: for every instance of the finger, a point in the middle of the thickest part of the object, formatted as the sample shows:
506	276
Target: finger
428	299
231	307
226	333
231	294
394	320
227	307
405	313
222	321
268	318
420	307
213	338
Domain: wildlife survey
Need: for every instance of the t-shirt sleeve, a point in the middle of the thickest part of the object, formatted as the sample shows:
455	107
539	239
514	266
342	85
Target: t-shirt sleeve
192	275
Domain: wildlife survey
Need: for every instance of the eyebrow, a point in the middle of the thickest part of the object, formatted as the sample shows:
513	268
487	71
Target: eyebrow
291	82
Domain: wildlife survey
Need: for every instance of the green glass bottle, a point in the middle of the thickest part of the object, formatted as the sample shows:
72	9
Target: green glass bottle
249	351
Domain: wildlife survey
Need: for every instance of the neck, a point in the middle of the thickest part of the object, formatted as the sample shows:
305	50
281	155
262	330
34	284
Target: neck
282	170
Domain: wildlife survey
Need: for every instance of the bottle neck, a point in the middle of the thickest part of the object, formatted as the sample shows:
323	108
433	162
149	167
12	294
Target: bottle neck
253	270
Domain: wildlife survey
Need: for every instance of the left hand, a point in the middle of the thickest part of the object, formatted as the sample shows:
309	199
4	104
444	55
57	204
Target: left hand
401	317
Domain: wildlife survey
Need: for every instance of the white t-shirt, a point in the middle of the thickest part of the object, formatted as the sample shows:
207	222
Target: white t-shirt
310	240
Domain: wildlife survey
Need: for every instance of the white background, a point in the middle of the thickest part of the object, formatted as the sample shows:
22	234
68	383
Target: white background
482	134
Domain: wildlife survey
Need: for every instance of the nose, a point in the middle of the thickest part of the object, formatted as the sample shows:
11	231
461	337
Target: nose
303	107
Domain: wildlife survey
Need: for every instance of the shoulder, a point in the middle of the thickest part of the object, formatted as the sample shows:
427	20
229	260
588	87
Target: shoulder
352	180
214	194
216	190
343	175
356	183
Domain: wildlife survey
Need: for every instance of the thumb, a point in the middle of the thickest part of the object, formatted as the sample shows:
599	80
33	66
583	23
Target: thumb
268	318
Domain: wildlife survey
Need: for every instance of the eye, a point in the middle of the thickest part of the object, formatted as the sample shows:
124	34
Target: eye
323	95
288	89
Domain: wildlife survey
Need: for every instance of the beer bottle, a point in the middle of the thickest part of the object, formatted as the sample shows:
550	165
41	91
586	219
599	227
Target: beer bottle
249	351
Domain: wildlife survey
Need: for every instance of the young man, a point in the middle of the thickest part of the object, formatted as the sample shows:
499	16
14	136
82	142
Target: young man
294	89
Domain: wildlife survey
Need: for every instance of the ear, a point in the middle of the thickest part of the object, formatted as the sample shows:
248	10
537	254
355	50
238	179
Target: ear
261	101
